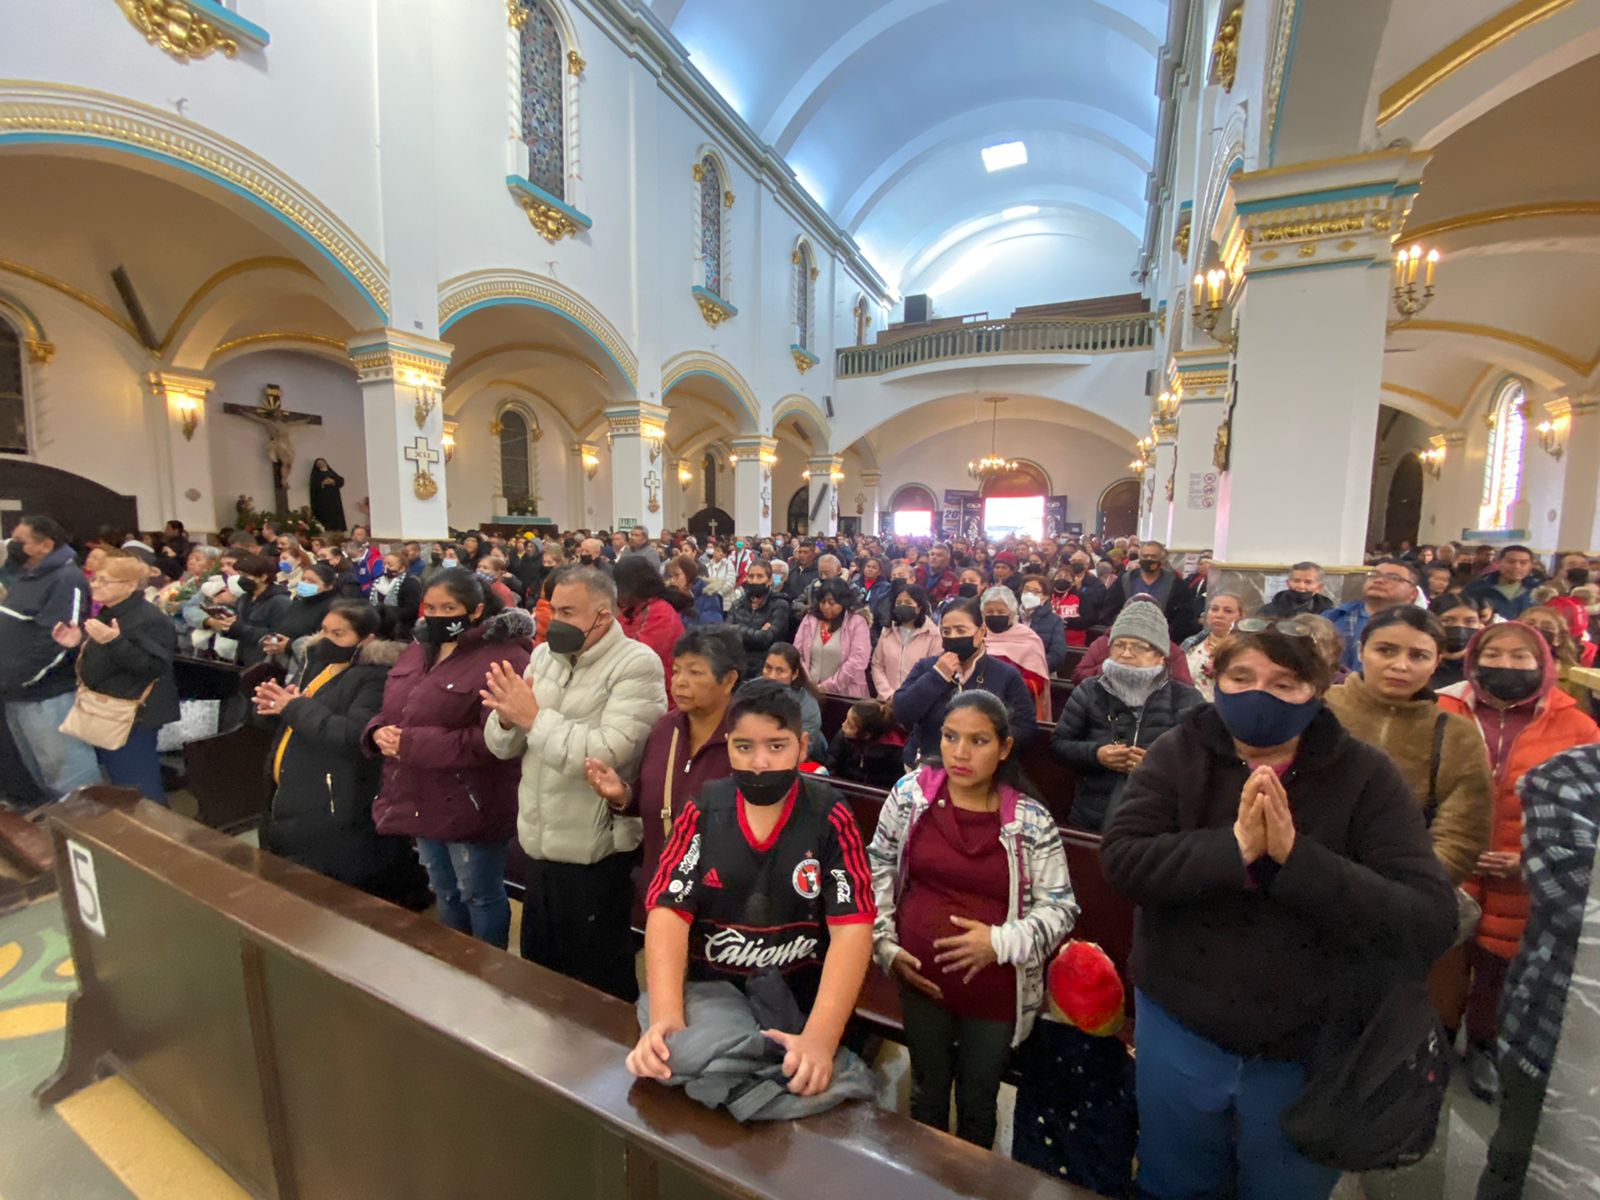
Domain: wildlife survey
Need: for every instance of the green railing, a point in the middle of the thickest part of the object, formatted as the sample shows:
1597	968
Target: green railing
987	339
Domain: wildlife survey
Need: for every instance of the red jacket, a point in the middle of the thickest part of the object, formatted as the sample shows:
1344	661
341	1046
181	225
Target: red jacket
656	624
445	784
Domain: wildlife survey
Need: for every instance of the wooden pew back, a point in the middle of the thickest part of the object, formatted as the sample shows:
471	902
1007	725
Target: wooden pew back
316	1041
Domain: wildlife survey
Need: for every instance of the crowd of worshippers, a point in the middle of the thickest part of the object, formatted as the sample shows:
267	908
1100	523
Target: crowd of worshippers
1297	798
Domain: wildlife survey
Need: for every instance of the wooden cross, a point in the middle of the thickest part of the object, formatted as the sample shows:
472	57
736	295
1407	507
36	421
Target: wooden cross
276	420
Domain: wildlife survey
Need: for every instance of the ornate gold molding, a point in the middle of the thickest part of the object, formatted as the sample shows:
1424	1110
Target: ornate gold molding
552	223
1496	216
177	28
728	198
424	485
242	267
1225	50
1294	231
699	171
575	63
261	339
516	13
1280	63
1180	241
1467	329
803	360
39	346
92	303
713	308
391	354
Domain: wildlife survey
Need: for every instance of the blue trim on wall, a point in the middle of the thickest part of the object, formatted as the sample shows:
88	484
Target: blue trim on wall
496	301
1283	84
1325	196
168	160
1322	266
518	184
382	343
1186	206
698	291
798	349
231	21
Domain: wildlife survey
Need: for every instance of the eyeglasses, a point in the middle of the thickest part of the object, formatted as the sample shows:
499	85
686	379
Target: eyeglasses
1292	627
1131	646
1388	578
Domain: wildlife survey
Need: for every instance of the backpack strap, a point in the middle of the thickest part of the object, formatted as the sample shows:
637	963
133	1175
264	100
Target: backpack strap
1433	767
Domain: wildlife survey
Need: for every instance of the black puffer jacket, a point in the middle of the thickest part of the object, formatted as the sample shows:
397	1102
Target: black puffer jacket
258	616
1093	718
757	641
140	654
321	813
1255	959
302	616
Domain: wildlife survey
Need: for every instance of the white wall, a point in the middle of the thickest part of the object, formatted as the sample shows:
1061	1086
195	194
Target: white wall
1036	268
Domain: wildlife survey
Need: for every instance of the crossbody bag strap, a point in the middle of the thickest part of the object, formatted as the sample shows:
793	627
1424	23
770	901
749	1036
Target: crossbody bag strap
666	792
1433	766
77	664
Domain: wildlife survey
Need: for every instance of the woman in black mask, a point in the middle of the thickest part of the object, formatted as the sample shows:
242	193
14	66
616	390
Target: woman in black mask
321	812
1510	691
1285	883
1461	621
910	637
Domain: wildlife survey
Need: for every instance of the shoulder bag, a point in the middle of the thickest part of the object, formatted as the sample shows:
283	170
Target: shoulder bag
100	720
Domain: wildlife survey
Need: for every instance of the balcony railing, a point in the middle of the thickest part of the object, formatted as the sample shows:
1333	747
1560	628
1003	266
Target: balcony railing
987	339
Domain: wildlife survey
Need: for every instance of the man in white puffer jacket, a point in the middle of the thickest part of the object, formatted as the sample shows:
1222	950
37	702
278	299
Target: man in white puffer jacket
590	693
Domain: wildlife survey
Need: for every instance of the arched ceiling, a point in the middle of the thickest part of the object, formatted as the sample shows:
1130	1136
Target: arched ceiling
882	107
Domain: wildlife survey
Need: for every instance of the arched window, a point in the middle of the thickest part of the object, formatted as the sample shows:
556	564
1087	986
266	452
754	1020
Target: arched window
13	410
708	471
711	224
1502	468
519	432
805	290
544	129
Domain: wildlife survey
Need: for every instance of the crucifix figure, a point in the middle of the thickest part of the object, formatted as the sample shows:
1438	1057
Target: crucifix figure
766	501
652	481
424	456
272	416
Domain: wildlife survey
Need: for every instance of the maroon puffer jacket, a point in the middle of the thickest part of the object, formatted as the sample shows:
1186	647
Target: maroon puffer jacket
445	784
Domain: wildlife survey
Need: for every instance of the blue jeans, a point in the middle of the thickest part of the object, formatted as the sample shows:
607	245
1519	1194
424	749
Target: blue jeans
136	765
469	881
57	761
1208	1117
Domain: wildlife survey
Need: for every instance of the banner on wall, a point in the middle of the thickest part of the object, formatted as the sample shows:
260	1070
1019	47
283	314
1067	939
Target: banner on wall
1055	518
963	514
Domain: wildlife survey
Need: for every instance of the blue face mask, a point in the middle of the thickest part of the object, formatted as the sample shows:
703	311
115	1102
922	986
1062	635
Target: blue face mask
285	565
306	590
1260	719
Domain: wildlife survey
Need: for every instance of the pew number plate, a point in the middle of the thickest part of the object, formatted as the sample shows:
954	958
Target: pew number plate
88	891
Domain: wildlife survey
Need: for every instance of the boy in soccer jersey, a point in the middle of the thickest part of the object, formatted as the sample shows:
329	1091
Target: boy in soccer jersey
764	871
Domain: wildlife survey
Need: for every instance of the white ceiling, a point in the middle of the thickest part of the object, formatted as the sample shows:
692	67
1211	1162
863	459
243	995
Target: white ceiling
882	106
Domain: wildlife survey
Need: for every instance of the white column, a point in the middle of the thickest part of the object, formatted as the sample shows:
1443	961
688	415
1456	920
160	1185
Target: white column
827	472
1157	524
869	502
184	451
1578	527
1311	250
580	478
1194	498
402	382
752	485
1450	498
638	462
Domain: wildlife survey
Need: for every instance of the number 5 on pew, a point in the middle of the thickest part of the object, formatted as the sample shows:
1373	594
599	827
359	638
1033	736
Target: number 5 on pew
87	890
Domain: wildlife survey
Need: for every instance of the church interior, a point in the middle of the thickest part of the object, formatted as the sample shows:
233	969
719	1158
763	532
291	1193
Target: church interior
1264	282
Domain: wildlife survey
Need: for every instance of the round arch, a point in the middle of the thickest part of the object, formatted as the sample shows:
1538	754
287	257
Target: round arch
1117	510
702	363
809	415
1029	479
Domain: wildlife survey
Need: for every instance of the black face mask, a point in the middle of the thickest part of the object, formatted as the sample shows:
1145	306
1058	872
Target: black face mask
330	654
962	647
1578	576
563	637
443	630
967	590
1301	599
586	559
248	586
1456	637
1550	639
15	554
1150	565
764	788
997	623
1511	684
757	591
905	614
1062	586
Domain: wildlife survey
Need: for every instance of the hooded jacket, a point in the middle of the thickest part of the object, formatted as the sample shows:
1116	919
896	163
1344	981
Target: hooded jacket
1253	959
1556	725
656	625
1462	794
600	705
32	665
1041	910
445	784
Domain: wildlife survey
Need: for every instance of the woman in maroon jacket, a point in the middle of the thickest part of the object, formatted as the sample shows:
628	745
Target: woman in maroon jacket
645	614
440	783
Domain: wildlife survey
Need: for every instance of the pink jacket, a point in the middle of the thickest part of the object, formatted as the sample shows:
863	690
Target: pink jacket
851	679
892	660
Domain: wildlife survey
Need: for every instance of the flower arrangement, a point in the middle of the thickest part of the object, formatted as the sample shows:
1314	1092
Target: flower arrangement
522	506
302	521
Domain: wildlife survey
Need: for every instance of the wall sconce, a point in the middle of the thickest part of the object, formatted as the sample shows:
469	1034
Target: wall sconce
189	416
1553	435
1408	301
685	476
449	441
1433	460
1209	306
1167	406
1146	447
591	462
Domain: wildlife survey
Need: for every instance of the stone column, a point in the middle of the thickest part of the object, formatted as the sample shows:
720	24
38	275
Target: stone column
1309	262
1156	524
752	485
402	396
1450	498
869	502
827	473
638	431
1200	381
1579	525
183	451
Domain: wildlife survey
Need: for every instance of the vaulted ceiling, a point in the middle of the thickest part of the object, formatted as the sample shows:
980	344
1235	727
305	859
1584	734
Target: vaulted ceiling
882	107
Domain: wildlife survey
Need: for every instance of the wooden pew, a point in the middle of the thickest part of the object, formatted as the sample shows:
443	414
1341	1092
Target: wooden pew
226	773
316	1041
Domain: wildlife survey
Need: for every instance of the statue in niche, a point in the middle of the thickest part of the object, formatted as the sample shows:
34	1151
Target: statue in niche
327	501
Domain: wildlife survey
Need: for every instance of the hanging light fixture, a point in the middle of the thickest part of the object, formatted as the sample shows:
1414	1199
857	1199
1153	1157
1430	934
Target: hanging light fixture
991	464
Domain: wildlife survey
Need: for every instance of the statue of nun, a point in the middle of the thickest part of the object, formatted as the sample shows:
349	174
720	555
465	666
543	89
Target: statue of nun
327	503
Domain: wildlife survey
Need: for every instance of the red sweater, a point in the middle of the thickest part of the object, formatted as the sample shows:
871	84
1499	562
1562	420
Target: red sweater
657	625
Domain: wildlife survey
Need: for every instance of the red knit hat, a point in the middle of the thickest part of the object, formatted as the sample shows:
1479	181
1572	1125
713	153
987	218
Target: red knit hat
1006	557
1085	989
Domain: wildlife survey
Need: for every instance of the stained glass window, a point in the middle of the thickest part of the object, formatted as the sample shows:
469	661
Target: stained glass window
1502	468
13	413
543	80
515	477
802	292
708	471
711	223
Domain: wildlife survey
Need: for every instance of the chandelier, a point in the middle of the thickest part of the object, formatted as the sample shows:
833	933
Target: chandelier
991	464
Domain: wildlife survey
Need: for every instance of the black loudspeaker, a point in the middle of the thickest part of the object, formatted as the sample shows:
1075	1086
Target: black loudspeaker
918	309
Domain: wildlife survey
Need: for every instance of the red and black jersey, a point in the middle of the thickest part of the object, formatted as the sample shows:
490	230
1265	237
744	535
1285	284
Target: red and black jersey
754	906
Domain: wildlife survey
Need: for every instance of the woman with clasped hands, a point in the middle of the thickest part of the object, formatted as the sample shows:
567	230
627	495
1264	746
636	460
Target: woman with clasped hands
1278	865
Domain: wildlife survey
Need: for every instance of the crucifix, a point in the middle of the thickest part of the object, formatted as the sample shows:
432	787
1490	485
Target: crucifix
652	481
713	526
766	501
272	416
424	456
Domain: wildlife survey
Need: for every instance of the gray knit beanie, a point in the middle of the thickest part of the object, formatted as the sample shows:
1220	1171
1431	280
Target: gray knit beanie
1143	619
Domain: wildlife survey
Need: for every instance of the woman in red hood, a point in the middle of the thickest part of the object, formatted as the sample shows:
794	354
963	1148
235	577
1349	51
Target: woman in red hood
1510	690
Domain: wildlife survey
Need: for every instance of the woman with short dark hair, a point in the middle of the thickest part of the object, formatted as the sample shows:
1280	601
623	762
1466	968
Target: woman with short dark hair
835	640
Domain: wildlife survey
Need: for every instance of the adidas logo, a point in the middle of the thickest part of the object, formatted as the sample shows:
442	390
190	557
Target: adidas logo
711	880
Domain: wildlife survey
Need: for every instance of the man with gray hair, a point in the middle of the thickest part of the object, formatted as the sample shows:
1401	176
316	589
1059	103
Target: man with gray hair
589	697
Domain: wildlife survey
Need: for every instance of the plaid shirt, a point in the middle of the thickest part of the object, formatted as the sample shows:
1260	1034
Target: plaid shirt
1560	818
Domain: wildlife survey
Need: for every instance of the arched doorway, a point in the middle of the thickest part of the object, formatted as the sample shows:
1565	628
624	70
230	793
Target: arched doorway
912	510
1014	502
1118	514
701	524
799	516
1403	517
